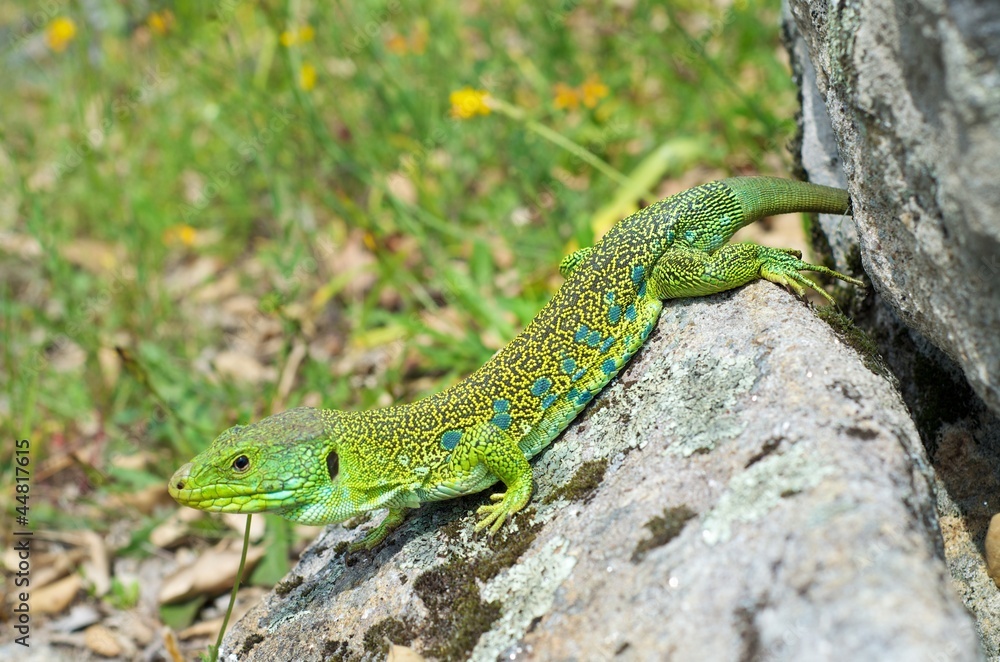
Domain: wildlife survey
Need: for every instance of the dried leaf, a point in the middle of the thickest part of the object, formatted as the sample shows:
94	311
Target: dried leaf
146	500
111	365
403	654
212	573
93	255
238	523
97	567
79	617
245	600
171	645
21	245
186	277
402	187
288	373
175	528
224	286
992	545
238	366
102	641
57	596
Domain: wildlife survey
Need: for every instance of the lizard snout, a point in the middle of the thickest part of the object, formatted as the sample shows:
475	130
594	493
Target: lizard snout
179	479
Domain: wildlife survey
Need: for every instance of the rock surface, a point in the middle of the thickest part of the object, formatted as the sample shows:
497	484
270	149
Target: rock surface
745	489
913	91
960	432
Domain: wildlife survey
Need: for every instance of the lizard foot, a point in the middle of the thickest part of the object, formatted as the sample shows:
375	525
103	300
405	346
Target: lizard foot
392	520
494	515
782	266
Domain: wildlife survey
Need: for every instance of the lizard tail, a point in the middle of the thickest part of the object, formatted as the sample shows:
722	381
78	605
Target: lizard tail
767	196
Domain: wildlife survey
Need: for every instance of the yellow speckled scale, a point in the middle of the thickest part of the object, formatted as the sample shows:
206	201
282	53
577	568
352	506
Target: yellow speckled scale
318	466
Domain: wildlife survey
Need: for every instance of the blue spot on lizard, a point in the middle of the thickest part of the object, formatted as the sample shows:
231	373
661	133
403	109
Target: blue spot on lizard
541	386
450	439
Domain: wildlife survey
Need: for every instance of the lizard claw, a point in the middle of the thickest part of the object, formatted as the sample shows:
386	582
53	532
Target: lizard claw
493	517
782	266
505	505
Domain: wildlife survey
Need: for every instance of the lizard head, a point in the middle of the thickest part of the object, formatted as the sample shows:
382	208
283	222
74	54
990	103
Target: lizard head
286	464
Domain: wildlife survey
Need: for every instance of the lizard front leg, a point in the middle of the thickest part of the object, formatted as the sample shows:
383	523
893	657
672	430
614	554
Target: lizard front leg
499	452
689	272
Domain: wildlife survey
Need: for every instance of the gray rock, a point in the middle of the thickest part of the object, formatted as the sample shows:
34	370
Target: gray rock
913	91
961	433
757	494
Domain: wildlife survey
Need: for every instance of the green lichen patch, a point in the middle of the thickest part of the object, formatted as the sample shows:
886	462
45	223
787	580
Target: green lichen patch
507	549
663	529
754	492
335	650
388	631
452	531
583	483
249	643
287	586
856	338
457	614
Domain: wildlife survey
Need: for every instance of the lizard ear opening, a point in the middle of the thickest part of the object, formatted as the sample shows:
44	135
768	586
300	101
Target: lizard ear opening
332	464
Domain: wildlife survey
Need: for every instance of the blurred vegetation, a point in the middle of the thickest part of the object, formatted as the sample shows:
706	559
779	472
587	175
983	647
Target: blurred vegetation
212	211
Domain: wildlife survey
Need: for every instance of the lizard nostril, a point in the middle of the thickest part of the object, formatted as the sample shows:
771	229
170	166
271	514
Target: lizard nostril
180	484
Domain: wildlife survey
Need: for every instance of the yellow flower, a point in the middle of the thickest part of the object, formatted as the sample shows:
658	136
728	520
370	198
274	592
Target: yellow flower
415	43
418	40
59	33
467	103
566	96
300	36
307	76
592	91
397	44
160	22
183	233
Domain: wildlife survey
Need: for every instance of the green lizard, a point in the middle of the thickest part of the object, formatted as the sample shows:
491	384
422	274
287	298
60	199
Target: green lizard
317	466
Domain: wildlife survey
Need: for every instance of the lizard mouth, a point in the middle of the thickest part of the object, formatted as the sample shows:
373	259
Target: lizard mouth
225	497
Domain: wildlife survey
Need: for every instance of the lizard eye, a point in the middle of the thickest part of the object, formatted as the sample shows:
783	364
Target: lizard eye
241	464
332	465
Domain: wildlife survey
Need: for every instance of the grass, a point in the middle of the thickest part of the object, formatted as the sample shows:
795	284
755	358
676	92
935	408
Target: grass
195	233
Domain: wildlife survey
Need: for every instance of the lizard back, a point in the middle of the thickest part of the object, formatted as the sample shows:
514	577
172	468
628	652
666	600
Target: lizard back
535	385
